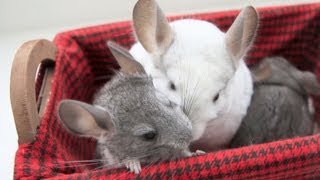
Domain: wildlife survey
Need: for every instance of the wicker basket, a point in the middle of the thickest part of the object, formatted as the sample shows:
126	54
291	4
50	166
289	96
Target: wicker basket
78	62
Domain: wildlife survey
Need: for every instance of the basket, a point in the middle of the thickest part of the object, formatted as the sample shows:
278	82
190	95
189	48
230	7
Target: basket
78	62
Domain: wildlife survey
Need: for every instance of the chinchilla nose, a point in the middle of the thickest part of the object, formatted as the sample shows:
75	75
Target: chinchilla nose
180	140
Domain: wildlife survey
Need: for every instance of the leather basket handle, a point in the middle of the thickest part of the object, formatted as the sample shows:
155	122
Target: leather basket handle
22	86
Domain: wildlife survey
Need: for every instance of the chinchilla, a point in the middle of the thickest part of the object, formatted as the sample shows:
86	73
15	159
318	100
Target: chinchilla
198	67
132	122
280	107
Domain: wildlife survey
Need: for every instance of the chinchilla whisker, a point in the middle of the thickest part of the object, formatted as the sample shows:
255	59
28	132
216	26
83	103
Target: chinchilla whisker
80	161
99	161
193	97
109	166
152	163
194	94
141	156
151	152
99	167
79	165
187	81
186	96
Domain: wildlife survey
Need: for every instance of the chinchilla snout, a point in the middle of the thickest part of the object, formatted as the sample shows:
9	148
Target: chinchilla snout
178	133
183	138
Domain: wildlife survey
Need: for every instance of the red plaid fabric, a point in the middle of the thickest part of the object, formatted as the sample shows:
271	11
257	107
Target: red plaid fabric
84	63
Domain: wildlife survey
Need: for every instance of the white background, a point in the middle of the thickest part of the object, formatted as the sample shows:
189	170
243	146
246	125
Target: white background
21	21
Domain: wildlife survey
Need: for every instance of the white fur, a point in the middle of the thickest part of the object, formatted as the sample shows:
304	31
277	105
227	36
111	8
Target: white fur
220	131
199	65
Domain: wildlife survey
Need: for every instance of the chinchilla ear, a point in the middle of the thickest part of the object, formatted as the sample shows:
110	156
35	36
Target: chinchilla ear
241	34
308	81
151	27
126	62
261	72
84	119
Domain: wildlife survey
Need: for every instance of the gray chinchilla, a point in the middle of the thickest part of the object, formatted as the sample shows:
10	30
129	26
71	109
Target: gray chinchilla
280	107
132	122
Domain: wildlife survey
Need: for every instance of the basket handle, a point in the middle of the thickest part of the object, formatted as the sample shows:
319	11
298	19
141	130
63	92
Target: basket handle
22	86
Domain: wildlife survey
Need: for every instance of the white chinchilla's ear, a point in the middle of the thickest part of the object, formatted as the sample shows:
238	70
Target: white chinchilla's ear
84	119
151	27
126	62
242	32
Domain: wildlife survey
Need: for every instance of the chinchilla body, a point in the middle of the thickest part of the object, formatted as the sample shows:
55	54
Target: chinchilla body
280	107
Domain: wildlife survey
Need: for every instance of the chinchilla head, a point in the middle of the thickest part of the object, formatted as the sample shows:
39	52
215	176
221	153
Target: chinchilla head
129	118
277	70
191	61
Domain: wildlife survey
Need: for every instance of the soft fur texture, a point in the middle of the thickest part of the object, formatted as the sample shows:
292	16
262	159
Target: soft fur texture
134	105
200	66
280	107
126	112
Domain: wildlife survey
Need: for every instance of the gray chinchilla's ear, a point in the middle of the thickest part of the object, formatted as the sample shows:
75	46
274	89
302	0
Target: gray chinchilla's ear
126	62
308	81
241	34
261	72
84	119
151	27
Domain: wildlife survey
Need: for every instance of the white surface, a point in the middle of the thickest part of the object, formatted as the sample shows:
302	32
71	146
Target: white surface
21	21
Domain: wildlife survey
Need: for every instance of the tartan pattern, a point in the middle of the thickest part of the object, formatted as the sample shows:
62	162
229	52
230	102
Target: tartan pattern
84	63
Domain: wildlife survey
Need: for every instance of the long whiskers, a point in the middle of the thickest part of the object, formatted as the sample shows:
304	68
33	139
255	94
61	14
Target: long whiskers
94	162
190	92
193	99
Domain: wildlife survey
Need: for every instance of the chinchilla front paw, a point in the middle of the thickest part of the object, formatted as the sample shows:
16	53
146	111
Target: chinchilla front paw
134	166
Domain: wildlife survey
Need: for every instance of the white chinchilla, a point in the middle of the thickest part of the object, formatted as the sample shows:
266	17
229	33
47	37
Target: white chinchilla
198	67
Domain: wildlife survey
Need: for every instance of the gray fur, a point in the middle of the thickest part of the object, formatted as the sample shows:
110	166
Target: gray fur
123	111
279	106
135	108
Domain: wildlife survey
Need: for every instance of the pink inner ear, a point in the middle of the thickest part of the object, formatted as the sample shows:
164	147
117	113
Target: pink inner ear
262	72
126	62
242	32
82	118
151	27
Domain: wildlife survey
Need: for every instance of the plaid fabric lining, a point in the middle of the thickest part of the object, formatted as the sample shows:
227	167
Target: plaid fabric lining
84	63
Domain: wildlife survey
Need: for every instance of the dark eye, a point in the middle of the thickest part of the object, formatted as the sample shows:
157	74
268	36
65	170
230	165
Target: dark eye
149	136
172	86
216	98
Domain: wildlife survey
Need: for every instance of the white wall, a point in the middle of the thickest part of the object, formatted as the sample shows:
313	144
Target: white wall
21	21
20	16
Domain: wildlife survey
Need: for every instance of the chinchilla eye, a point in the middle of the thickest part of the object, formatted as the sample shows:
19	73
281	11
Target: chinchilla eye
149	136
172	86
216	98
